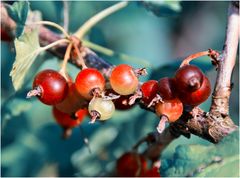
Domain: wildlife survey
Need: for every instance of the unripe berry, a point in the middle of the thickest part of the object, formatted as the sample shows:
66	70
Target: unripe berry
87	80
105	108
123	80
51	85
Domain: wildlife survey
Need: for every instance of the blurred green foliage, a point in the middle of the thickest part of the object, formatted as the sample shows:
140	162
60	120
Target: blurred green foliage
31	140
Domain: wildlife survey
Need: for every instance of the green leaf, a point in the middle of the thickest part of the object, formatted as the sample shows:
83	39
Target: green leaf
27	48
163	7
19	12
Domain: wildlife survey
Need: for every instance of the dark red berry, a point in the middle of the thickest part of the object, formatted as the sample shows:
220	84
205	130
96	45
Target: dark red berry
130	165
149	90
189	78
51	85
166	88
120	103
197	97
87	80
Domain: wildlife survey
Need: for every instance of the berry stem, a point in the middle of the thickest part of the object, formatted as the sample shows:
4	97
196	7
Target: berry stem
85	139
55	43
94	116
111	53
137	95
97	18
63	70
34	92
80	58
53	25
212	53
67	132
162	123
140	72
65	15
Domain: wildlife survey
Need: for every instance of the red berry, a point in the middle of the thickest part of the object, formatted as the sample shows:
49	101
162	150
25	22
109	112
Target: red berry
153	172
171	108
52	87
131	164
166	88
197	97
123	80
87	80
72	102
149	90
5	36
189	78
66	120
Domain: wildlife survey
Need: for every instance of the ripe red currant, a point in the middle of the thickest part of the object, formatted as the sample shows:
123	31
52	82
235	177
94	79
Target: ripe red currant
123	80
166	88
149	90
197	97
189	78
171	108
101	109
50	87
87	80
72	102
130	165
68	121
153	172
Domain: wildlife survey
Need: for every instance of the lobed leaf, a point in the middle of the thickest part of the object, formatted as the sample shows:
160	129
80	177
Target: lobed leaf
27	48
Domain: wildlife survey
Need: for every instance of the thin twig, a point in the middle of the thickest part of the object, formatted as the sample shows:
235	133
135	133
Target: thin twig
98	17
65	15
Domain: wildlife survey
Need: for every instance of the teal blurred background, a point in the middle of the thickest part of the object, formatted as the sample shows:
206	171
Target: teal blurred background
31	143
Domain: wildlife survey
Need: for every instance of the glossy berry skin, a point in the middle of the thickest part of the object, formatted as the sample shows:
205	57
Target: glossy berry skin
189	78
66	120
87	80
166	88
153	172
149	90
131	165
171	108
105	108
73	100
123	80
197	97
53	86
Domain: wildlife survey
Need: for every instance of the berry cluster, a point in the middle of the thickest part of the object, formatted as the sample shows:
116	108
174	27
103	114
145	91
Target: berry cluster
101	95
